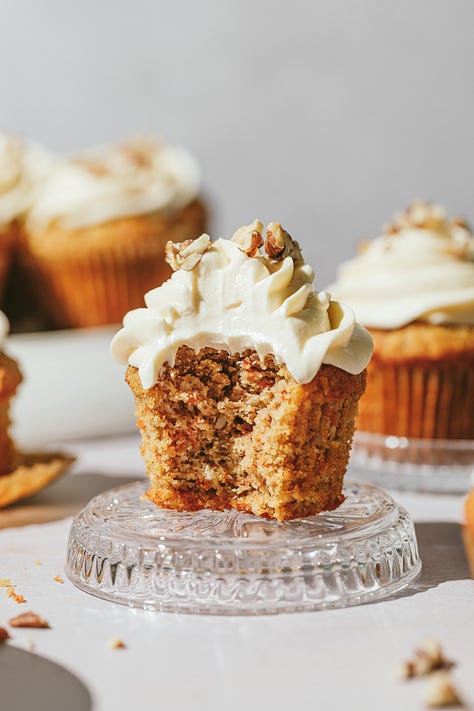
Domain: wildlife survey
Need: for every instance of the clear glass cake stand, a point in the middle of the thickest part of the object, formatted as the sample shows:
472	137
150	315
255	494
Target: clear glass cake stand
411	464
124	549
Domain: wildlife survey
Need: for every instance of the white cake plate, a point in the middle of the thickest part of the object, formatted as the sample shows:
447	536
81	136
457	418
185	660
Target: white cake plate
125	549
411	464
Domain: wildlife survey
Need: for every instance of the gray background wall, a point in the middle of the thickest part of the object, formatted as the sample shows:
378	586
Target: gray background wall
325	115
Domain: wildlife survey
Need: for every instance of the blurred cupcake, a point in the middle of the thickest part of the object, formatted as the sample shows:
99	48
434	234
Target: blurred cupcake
413	288
10	378
96	233
22	167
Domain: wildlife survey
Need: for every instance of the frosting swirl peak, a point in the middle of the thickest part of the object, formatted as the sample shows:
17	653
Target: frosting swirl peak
226	299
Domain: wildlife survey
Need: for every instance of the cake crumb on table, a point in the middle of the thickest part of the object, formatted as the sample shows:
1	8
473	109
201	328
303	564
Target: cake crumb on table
116	643
28	619
58	579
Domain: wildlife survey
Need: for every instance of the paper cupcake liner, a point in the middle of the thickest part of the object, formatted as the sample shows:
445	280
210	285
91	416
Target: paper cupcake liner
423	400
96	285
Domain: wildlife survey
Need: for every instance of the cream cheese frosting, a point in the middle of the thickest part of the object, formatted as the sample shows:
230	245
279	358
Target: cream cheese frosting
232	301
111	182
421	269
23	165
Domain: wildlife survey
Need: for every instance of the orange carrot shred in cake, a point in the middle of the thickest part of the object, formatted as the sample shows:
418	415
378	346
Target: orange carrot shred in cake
246	380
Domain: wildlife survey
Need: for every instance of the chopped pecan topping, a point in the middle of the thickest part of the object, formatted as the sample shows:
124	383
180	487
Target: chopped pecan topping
441	692
28	619
422	215
186	255
279	244
249	238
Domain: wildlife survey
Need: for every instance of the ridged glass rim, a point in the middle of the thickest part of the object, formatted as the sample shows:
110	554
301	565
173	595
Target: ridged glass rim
369	553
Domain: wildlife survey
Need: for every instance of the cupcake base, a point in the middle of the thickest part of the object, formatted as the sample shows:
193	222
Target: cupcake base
222	431
93	276
420	383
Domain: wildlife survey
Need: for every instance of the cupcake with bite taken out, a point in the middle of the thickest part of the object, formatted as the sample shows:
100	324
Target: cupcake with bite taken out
413	288
246	379
95	236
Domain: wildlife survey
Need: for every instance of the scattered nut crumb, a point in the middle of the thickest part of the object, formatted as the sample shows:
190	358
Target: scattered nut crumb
3	635
186	255
279	244
28	619
58	579
441	692
116	643
428	658
10	590
249	238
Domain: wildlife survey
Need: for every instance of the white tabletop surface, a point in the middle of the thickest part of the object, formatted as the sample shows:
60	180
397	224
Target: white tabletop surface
338	659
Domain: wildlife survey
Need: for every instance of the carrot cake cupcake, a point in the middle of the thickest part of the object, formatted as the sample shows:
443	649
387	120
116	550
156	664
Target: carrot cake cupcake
413	288
96	233
22	167
246	380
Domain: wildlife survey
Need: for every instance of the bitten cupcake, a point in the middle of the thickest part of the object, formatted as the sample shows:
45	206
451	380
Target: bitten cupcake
413	288
246	380
23	165
96	233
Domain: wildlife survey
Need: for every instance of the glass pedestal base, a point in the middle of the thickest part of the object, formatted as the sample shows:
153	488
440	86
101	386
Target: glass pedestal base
410	464
125	549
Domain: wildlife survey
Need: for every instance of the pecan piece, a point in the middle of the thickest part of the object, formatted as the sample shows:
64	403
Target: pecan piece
441	692
427	659
186	255
28	619
279	244
249	238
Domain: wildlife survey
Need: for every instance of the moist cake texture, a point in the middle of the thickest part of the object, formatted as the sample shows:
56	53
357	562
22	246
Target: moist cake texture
246	381
223	431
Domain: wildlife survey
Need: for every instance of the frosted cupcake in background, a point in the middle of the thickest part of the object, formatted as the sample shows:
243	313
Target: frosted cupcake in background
246	379
413	288
95	235
23	165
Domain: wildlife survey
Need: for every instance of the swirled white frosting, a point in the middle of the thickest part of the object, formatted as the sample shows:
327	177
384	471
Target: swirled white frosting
233	302
416	274
112	182
23	165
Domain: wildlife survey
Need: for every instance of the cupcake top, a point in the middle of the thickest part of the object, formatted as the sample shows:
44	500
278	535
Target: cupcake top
22	165
228	295
116	181
420	269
